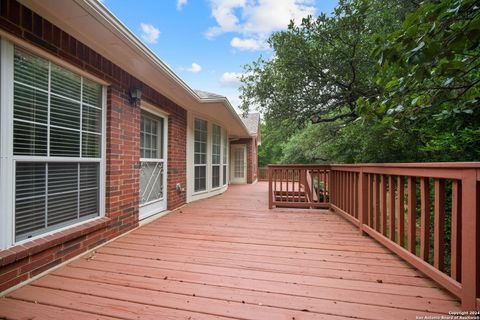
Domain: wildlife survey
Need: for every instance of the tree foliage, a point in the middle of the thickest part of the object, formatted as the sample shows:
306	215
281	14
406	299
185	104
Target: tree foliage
322	66
376	81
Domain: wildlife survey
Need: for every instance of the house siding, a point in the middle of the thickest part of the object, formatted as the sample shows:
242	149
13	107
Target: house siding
31	258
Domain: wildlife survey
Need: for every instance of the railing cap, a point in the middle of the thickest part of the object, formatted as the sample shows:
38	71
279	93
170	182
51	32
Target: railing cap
449	165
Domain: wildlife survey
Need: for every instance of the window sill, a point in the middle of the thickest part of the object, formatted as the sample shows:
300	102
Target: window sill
40	244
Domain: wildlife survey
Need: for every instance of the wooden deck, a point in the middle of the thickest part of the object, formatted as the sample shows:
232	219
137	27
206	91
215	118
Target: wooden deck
229	257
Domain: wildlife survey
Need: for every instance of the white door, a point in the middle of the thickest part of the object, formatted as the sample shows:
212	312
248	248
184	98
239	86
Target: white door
238	165
153	164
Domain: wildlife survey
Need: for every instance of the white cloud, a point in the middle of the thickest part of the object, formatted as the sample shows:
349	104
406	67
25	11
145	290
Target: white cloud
230	79
194	68
150	33
256	19
180	4
246	44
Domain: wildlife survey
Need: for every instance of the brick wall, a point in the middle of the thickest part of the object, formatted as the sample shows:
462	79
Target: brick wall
22	262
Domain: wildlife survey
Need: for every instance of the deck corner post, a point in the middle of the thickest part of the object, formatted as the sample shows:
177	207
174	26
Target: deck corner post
362	201
470	239
329	187
270	189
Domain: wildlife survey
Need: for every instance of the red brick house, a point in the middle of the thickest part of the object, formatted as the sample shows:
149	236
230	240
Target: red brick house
97	135
244	152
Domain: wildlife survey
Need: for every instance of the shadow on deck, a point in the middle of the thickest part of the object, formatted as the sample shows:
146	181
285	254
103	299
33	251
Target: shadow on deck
231	257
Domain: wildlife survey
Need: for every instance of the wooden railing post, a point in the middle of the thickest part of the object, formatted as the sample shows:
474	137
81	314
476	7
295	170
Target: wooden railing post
270	189
470	240
330	190
362	201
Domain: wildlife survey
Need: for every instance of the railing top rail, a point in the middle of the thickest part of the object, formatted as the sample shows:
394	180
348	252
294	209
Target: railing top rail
298	165
437	165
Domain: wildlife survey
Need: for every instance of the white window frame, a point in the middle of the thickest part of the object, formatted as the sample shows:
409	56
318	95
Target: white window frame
225	149
8	160
207	155
219	165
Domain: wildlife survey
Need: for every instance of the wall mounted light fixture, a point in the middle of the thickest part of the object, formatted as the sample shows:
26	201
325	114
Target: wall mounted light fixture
135	96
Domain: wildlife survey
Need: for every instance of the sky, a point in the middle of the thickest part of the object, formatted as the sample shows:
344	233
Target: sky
207	42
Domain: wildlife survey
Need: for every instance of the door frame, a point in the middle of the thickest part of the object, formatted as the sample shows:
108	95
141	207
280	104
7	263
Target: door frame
234	180
147	210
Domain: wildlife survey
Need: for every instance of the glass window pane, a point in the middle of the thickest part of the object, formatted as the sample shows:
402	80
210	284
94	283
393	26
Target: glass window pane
30	104
88	202
200	178
89	175
215	176
64	143
224	175
30	69
62	177
200	145
30	180
89	189
151	136
92	93
64	113
92	119
29	198
29	139
91	145
62	208
65	82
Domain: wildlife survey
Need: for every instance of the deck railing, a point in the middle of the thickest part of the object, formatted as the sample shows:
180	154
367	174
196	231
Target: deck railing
262	174
426	213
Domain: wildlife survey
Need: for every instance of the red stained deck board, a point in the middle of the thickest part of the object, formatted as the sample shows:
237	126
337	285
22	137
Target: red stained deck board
21	310
229	257
185	282
210	265
185	255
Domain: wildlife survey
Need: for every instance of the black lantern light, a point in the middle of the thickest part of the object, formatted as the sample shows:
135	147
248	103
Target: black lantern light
135	96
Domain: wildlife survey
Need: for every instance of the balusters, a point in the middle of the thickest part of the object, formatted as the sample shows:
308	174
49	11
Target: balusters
391	206
439	225
384	205
376	198
355	195
370	200
456	237
401	210
412	215
425	219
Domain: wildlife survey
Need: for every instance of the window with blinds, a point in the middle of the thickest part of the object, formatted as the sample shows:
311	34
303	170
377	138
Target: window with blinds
225	159
216	153
200	155
57	136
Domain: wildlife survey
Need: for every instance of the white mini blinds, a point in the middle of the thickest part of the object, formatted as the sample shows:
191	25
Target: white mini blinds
56	112
57	138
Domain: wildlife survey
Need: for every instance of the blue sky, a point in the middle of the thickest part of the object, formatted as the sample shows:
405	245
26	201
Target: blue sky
206	42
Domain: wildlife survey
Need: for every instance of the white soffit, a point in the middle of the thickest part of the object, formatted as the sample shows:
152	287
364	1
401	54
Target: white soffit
91	23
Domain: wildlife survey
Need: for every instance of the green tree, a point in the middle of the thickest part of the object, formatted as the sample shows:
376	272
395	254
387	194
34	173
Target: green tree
430	78
377	81
321	67
270	150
